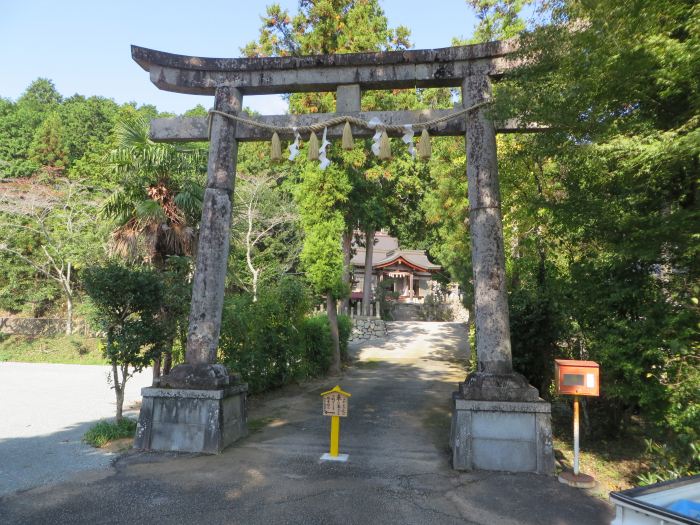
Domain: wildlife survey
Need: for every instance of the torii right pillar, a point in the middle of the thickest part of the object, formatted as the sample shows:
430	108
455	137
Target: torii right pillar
499	421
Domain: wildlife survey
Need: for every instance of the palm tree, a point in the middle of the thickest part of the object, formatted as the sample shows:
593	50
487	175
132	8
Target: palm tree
159	200
156	208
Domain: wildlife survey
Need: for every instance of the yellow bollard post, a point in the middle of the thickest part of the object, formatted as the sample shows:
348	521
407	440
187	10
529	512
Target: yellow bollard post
335	435
335	404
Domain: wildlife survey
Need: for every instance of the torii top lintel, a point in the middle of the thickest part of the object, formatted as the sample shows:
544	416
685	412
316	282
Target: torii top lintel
445	67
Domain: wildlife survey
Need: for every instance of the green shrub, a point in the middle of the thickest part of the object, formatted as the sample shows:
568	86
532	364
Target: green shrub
670	461
386	298
105	431
271	342
535	329
126	303
318	344
261	339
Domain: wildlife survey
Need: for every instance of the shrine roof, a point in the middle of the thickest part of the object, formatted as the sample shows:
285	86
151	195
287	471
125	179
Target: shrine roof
382	258
416	258
386	250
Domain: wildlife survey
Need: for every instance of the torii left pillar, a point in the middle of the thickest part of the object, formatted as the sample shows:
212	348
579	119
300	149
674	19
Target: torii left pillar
199	407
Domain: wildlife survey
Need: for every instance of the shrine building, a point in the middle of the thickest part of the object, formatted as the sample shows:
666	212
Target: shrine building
410	270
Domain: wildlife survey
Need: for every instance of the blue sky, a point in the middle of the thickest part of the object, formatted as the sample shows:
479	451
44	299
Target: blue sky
83	46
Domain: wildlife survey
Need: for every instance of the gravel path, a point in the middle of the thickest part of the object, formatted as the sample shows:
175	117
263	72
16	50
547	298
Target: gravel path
44	411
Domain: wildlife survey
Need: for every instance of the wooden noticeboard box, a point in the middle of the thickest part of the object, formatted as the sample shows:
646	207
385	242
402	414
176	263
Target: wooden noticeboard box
335	404
579	378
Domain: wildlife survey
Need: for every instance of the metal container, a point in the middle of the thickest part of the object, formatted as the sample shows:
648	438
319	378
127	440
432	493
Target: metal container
577	378
669	502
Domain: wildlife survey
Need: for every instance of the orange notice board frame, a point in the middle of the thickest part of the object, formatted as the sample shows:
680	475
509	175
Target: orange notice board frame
578	378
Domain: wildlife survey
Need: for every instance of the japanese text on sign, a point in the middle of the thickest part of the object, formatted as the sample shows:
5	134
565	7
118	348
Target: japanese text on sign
335	404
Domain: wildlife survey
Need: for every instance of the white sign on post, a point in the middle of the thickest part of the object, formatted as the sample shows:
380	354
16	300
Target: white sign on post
335	404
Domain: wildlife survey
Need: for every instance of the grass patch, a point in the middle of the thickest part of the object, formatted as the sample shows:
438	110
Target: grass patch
64	349
105	431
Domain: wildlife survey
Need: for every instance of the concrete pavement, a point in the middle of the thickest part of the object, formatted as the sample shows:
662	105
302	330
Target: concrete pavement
45	410
396	435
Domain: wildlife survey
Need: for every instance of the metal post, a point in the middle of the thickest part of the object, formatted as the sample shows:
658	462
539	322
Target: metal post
335	435
576	469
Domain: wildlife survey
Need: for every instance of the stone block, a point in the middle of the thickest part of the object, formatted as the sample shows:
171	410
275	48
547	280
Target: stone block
494	425
501	435
488	455
196	376
186	420
505	387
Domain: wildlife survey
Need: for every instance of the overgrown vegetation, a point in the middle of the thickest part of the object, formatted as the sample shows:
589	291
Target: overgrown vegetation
271	341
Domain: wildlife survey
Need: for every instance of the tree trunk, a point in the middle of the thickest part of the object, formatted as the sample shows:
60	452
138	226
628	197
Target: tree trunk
333	323
69	301
347	257
367	286
539	243
156	368
117	390
255	285
249	252
168	359
69	315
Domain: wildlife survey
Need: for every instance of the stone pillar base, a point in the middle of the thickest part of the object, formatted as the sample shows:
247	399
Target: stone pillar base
199	376
513	436
186	420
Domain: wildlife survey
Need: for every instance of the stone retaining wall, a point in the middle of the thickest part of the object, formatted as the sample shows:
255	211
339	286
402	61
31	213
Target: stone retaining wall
366	328
39	326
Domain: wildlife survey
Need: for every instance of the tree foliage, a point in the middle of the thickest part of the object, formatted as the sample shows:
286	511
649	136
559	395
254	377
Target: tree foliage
159	199
601	211
272	341
50	240
127	301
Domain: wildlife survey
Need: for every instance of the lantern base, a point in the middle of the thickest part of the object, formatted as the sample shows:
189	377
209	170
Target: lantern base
580	481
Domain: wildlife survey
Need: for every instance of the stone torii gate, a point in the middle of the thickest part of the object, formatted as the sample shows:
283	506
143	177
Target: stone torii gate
499	422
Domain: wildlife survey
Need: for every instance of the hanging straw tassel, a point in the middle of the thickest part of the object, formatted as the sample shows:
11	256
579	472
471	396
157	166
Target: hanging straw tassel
275	148
384	147
424	147
313	147
348	143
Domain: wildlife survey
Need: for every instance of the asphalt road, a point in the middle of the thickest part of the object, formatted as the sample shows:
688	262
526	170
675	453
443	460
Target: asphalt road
396	434
44	411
